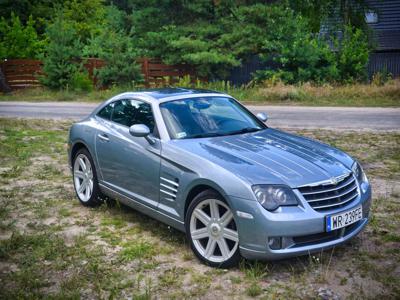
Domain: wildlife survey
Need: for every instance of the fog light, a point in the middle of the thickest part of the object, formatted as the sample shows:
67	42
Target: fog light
274	243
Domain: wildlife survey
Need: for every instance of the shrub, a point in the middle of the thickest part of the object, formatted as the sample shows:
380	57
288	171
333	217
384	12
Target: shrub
352	55
294	54
18	41
81	82
382	77
120	57
61	61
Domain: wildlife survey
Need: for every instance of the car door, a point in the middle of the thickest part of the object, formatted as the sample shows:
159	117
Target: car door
130	165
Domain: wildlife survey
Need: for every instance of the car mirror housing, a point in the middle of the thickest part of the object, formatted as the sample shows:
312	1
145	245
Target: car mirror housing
141	130
262	117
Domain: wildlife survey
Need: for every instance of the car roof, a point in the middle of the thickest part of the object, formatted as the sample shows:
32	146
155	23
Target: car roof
161	95
172	92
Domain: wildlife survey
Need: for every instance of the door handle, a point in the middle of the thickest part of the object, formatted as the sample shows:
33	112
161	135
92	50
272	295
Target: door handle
103	137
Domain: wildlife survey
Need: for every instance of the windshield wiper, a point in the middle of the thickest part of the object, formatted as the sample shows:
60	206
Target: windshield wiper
244	130
203	135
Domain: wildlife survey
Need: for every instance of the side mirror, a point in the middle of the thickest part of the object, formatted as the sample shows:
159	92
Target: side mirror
262	117
141	130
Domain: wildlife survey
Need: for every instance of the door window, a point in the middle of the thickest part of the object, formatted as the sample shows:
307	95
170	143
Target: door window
130	112
106	112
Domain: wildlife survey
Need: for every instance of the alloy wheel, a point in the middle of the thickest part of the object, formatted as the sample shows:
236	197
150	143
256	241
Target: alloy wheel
83	177
213	230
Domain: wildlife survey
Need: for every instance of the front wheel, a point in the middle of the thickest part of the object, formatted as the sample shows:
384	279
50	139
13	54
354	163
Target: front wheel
85	179
212	231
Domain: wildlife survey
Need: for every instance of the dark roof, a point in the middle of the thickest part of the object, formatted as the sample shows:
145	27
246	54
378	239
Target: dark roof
170	92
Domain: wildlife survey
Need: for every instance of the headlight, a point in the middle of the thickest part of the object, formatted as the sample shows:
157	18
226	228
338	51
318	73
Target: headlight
273	196
359	173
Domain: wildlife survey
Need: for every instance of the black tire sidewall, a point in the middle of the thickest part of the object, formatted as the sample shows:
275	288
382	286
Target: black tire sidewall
95	197
208	194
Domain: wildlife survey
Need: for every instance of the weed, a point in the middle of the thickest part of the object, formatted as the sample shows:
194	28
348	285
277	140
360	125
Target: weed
114	221
254	270
135	250
254	290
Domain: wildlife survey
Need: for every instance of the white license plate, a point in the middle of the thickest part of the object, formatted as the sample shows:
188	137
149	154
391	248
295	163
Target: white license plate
343	219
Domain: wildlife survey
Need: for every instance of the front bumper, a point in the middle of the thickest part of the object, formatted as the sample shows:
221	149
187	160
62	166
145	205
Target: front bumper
302	226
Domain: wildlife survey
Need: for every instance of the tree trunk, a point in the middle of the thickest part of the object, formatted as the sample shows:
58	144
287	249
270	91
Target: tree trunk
3	83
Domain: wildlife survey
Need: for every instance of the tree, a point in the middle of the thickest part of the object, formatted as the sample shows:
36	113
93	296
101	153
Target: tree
41	11
117	48
19	41
62	54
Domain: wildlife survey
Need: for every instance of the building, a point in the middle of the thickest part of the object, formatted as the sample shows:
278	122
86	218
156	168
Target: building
383	18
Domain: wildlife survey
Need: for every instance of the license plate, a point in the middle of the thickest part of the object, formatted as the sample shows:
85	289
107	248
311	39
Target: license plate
343	219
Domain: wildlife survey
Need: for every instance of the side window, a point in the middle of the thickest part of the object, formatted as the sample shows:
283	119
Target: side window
130	112
106	112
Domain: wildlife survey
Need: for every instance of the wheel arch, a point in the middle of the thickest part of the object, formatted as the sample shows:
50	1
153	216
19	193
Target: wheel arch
201	186
76	146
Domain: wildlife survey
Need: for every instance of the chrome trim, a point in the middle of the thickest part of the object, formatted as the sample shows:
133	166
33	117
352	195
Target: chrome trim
329	190
168	187
168	193
170	181
336	204
335	196
347	182
325	182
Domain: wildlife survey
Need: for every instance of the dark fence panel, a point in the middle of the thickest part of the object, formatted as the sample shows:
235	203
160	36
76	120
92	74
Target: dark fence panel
243	74
384	62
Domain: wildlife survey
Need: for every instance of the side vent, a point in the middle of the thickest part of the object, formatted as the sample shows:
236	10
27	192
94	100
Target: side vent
169	188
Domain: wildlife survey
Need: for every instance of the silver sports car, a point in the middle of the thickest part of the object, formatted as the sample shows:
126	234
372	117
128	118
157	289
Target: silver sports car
201	162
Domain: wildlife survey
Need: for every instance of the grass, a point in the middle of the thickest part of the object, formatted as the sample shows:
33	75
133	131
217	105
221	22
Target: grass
371	95
52	247
254	290
134	250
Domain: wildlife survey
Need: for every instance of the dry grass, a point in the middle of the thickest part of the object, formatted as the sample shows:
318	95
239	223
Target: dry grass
331	95
385	95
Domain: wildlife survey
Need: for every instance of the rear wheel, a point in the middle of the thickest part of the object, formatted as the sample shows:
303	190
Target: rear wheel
212	231
85	179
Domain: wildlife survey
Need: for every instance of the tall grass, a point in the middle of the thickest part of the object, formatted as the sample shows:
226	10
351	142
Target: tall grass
377	93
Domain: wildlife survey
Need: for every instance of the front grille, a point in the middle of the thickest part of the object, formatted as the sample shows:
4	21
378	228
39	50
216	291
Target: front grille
331	196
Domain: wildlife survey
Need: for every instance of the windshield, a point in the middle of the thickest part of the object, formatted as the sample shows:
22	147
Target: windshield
207	117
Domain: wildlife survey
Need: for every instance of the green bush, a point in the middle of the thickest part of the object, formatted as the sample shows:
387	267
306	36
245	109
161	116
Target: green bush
61	61
353	55
81	82
19	41
121	66
305	59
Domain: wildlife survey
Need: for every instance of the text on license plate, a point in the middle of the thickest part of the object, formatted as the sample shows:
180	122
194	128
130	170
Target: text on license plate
343	219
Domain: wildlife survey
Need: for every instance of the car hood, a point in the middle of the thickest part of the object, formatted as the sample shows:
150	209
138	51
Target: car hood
271	156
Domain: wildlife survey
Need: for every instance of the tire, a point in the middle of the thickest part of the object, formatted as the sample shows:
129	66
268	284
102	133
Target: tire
85	182
211	230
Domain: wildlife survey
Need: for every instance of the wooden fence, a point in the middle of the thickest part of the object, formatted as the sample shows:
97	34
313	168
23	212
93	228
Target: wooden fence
156	73
24	73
